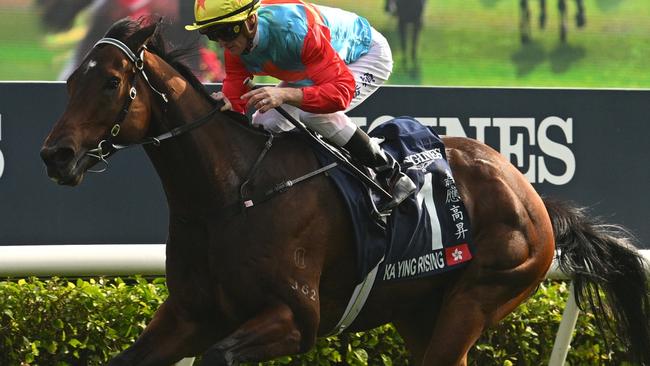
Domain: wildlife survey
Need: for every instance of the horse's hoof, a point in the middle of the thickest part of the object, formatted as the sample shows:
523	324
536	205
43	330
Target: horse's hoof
525	38
581	20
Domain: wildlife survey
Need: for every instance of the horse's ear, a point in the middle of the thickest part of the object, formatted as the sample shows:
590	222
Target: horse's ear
144	34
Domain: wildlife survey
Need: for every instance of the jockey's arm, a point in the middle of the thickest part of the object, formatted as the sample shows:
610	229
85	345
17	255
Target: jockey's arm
334	85
233	84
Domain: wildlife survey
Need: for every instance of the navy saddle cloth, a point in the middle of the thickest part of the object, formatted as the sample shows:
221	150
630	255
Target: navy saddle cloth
429	232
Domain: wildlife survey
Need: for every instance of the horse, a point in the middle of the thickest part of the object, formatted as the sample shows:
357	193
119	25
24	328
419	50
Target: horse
408	12
524	24
253	284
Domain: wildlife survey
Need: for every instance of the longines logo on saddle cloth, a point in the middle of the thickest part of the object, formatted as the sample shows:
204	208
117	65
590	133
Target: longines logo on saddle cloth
421	161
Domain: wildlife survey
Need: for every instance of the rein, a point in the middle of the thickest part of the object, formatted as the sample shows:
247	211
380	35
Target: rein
106	147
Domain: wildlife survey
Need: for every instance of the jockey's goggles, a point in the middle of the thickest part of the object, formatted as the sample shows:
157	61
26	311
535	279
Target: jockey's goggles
225	32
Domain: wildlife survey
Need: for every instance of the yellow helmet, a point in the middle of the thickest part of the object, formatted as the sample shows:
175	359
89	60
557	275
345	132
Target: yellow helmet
211	12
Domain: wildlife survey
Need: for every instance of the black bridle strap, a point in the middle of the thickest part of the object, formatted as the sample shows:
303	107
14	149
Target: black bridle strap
173	132
138	61
127	105
106	147
233	209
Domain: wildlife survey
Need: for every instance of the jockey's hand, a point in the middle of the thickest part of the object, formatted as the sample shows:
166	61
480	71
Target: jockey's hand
269	97
227	106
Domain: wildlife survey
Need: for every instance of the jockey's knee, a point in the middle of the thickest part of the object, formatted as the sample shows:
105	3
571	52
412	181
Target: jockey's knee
337	127
272	121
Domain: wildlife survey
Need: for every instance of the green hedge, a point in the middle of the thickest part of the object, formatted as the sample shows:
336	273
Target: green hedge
59	322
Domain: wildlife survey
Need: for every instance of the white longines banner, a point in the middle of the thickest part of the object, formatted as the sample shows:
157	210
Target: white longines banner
588	146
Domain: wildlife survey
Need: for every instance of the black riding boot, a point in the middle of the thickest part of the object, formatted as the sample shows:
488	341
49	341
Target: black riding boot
368	152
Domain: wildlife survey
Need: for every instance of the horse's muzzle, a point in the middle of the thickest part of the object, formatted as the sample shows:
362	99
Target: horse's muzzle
61	162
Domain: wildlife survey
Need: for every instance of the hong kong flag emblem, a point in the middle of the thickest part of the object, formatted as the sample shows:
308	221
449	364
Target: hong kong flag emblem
457	254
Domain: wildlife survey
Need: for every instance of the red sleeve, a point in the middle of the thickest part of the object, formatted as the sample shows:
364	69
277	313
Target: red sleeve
233	84
334	85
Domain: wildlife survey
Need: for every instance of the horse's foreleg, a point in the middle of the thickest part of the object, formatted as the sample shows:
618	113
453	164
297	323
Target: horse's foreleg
167	339
542	14
271	334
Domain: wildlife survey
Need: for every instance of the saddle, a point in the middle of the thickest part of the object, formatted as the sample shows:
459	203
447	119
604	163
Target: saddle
427	234
430	231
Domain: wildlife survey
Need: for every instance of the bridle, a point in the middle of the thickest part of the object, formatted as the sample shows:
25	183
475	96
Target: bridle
106	147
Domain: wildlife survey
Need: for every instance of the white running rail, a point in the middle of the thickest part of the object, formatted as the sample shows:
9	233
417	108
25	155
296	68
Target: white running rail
149	259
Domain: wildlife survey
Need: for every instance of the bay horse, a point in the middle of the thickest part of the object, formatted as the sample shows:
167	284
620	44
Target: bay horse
524	23
254	284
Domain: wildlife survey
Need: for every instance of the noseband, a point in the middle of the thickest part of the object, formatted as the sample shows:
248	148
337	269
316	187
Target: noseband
106	147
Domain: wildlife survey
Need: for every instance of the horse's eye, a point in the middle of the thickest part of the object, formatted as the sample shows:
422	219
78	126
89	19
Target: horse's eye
113	83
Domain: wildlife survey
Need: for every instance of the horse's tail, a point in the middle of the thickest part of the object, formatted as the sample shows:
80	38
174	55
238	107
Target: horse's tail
601	257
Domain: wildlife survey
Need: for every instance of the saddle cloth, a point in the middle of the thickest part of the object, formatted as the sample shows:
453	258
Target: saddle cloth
429	232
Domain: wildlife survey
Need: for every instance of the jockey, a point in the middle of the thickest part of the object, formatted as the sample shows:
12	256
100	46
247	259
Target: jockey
328	60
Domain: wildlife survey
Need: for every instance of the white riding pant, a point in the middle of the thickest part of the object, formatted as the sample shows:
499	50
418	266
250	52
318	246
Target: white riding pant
370	71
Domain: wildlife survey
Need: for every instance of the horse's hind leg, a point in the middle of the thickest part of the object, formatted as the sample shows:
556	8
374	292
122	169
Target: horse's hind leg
542	14
168	338
465	313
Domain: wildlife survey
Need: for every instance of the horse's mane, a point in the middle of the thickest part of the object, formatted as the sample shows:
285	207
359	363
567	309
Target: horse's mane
175	57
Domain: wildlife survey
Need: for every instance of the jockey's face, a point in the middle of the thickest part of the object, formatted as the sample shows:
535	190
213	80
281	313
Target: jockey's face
237	37
236	46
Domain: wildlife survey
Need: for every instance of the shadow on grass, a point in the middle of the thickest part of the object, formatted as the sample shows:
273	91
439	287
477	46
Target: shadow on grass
406	73
528	58
489	3
531	55
564	56
608	5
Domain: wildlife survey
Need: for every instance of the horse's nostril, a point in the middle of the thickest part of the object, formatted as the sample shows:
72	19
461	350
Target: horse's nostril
58	156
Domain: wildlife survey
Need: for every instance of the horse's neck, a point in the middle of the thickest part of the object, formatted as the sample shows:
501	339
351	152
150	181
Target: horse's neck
202	169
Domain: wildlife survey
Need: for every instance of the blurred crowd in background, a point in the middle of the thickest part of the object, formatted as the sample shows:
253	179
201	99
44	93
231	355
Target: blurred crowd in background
59	16
435	42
